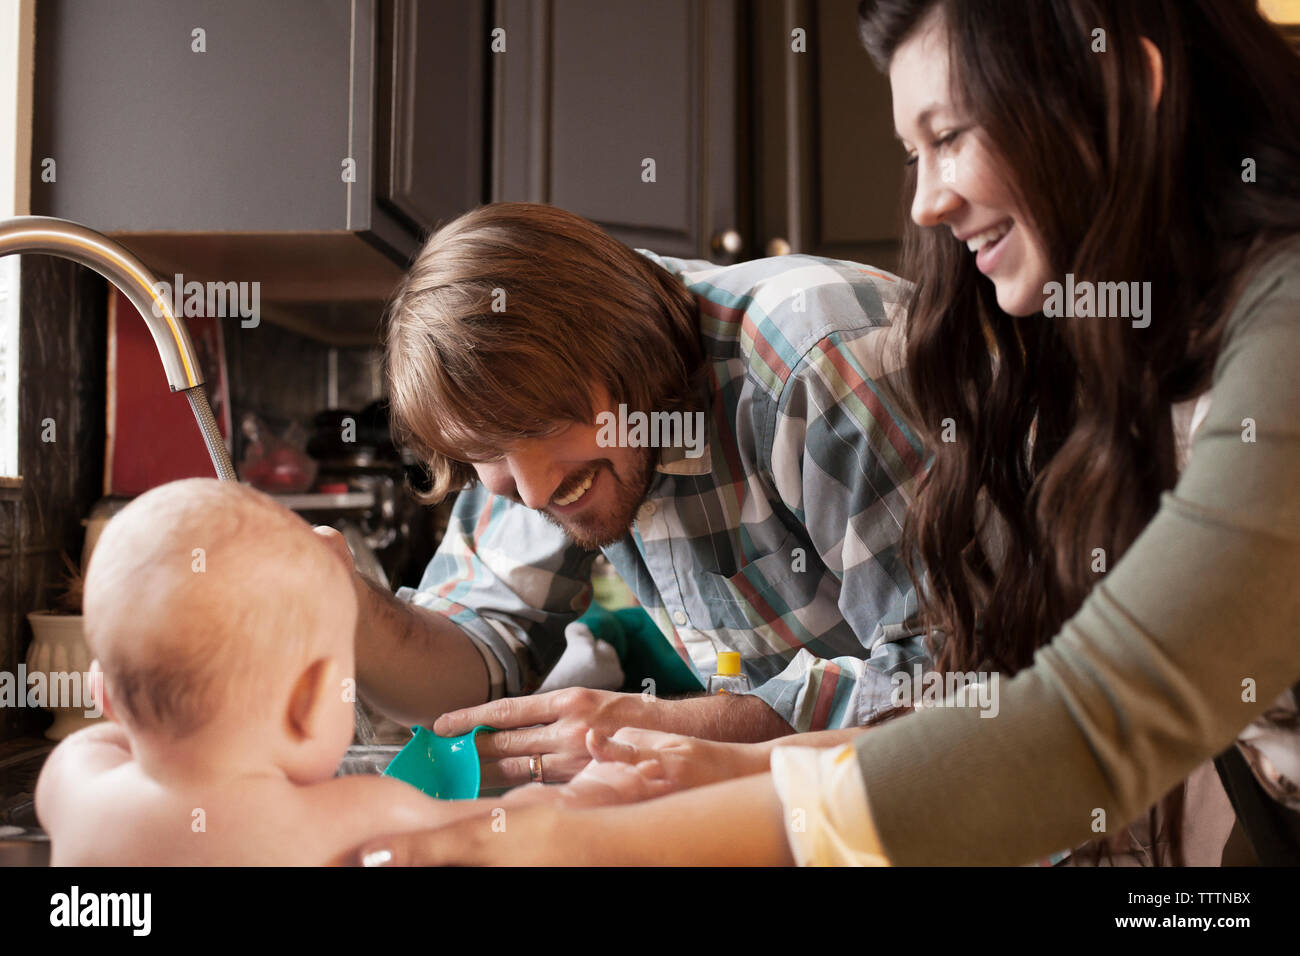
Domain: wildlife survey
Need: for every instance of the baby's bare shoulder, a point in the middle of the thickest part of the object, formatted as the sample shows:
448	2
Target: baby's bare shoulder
100	747
75	769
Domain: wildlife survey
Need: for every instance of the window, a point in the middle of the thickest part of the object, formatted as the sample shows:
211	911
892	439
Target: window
17	35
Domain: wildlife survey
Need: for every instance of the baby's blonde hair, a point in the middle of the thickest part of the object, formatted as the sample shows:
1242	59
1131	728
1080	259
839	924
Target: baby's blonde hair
204	595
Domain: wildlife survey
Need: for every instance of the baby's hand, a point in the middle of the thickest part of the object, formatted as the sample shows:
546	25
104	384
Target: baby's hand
680	762
604	783
600	783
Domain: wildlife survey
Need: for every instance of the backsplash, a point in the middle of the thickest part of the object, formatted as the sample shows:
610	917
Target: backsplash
279	374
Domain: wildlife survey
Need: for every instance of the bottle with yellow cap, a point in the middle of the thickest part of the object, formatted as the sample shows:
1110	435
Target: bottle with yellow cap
729	679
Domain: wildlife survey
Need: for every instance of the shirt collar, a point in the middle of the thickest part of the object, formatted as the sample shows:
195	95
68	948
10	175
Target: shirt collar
673	461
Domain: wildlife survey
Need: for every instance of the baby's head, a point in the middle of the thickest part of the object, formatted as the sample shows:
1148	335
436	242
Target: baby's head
219	617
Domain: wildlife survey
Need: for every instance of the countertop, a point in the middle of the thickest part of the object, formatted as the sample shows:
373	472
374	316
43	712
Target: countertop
22	842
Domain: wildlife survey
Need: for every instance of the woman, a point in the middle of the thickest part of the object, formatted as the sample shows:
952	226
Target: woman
1104	236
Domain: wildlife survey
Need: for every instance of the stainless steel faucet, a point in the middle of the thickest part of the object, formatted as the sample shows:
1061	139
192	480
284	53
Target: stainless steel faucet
59	237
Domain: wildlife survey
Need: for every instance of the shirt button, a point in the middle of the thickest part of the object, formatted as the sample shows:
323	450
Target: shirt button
647	510
679	618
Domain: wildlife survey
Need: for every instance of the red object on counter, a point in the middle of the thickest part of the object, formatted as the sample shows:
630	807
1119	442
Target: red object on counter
282	471
151	435
274	463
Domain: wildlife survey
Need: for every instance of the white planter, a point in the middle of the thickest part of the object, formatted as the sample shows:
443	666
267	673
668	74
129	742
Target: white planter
59	646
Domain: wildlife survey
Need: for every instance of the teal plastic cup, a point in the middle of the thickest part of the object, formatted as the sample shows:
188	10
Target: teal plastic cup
442	767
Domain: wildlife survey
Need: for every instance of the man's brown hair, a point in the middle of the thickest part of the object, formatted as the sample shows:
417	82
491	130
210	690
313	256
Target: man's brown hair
508	317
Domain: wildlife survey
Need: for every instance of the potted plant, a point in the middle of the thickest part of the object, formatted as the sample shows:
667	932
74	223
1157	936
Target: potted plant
60	658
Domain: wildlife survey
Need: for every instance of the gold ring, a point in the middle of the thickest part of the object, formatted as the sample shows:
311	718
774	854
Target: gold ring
535	768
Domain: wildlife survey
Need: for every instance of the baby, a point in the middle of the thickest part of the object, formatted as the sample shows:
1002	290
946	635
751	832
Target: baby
223	628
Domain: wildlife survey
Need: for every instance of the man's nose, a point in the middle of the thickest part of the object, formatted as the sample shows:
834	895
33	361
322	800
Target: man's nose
935	200
526	476
536	484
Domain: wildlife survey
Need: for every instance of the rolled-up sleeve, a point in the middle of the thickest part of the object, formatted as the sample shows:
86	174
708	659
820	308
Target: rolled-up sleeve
815	693
512	582
827	820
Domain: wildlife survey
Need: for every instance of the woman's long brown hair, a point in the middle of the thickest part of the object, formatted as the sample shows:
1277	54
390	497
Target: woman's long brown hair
1064	437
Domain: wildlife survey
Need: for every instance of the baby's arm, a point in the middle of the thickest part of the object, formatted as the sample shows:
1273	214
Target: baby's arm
62	785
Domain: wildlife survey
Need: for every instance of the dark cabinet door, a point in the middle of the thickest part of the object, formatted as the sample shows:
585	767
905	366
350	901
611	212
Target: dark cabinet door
180	115
432	97
297	117
829	175
303	144
627	113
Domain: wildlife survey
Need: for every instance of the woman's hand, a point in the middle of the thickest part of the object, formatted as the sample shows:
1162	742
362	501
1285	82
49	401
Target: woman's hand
531	825
675	761
737	823
541	834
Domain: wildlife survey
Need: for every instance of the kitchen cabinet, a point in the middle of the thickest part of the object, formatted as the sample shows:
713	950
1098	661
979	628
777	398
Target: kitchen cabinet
311	144
432	93
628	113
769	126
829	178
307	144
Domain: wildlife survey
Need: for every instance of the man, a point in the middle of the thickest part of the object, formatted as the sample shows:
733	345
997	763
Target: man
720	433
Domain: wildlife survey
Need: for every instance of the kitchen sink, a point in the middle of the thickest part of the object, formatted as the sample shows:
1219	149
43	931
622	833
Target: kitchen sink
366	758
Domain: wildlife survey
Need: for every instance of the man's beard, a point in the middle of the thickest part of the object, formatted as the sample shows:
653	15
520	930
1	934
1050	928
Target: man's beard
604	528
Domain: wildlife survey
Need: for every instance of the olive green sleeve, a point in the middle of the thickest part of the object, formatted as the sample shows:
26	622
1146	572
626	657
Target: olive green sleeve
1147	680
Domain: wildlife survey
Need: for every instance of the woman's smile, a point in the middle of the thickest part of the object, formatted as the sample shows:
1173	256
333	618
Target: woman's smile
988	245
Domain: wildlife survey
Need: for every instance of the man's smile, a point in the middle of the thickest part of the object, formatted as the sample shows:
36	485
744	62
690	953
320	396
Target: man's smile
577	491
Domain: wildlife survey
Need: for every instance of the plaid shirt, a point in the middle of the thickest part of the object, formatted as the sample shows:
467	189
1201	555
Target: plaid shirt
781	541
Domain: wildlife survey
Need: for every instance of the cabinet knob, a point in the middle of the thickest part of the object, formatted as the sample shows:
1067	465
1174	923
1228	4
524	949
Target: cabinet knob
728	242
777	247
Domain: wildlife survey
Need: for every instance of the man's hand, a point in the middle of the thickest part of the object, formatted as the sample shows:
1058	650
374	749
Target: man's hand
675	761
565	716
553	726
338	544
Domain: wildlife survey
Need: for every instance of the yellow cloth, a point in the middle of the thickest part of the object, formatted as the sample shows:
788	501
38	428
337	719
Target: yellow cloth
827	820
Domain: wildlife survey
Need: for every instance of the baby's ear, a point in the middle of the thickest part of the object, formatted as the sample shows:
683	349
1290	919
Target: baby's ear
311	692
